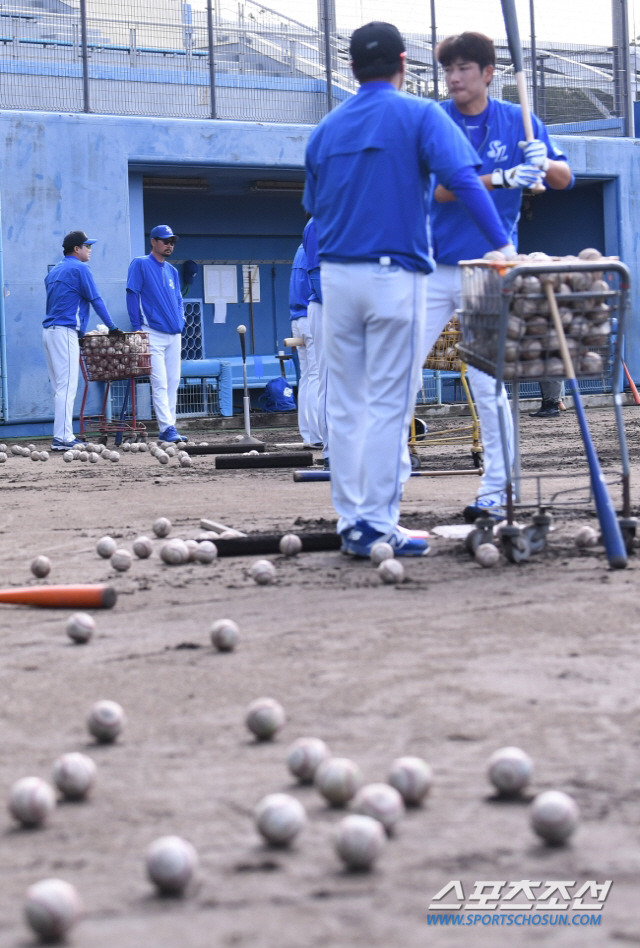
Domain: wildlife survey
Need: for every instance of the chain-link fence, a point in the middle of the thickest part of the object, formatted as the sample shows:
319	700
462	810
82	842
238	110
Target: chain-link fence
242	60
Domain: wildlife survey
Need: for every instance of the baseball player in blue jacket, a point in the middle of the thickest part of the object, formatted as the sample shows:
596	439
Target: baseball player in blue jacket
369	167
495	129
154	303
71	289
299	292
310	244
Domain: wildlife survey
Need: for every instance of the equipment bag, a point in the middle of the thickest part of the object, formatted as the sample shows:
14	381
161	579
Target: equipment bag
278	396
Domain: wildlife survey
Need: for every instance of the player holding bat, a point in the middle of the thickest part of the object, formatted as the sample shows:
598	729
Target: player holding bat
368	178
509	164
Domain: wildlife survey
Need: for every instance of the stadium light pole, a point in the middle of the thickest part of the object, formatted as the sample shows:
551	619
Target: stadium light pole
212	62
621	63
85	56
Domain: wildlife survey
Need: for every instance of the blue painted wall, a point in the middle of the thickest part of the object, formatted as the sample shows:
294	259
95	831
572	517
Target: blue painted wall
61	171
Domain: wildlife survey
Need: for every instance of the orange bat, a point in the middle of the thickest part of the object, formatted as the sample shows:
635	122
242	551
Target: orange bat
62	597
632	385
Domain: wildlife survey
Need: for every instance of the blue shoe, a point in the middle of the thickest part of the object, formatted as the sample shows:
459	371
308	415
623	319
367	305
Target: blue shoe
58	445
484	507
360	539
170	435
406	544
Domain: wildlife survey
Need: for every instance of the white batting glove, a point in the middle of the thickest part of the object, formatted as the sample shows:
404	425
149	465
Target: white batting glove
535	153
521	176
509	251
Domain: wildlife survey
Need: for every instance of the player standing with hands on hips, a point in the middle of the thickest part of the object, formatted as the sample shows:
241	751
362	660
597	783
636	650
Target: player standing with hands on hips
368	173
154	303
509	164
70	289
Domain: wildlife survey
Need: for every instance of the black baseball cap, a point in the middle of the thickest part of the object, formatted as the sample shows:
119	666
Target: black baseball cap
376	45
76	239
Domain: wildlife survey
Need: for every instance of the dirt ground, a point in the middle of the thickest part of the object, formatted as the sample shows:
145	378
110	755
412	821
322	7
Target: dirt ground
452	664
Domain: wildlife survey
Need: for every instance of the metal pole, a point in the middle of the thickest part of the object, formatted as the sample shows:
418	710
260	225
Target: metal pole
326	29
622	77
434	42
534	58
212	62
85	56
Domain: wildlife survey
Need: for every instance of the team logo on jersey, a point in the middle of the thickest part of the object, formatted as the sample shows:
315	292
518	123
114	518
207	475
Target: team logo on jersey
171	283
497	151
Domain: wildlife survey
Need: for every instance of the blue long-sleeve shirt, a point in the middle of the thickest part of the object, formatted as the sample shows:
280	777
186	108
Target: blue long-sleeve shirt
153	295
71	290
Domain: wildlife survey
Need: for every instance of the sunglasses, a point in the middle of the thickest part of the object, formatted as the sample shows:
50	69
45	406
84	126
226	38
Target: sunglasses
88	246
168	240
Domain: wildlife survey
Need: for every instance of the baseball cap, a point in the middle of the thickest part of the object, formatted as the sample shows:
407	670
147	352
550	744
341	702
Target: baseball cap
375	44
76	239
162	232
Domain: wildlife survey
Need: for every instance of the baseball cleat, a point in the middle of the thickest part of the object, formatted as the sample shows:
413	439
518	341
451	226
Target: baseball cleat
58	445
483	507
360	539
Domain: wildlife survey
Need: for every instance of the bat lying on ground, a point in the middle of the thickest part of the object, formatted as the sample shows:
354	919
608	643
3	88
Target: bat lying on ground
61	597
262	544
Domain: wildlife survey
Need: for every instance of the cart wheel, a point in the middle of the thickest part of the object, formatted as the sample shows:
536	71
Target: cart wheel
415	462
515	544
481	533
103	439
476	457
537	531
628	526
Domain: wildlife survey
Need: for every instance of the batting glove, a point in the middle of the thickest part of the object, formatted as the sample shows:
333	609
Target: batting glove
522	176
535	153
509	251
114	331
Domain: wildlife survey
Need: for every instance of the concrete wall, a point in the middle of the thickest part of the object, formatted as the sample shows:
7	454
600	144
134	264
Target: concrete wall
64	171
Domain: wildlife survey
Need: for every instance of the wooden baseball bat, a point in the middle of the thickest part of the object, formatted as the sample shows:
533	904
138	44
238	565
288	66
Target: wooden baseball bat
62	597
293	341
236	447
262	544
609	526
632	385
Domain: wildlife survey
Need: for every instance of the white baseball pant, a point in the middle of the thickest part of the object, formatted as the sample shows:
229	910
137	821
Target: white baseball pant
62	352
315	318
445	295
165	349
308	384
373	320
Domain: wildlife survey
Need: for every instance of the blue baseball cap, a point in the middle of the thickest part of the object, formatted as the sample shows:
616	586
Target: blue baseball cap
162	232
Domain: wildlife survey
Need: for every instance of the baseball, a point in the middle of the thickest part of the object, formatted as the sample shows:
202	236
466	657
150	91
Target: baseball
106	547
290	544
591	363
126	446
192	548
44	455
142	547
382	802
31	801
589	253
80	627
185	461
487	555
509	770
338	779
381	551
162	457
106	455
224	635
3	457
171	864
35	455
74	775
359	840
41	566
304	757
242	329
93	458
174	552
114	456
84	455
121	560
412	778
265	717
554	816
391	571
586	536
51	907
106	720
162	527
206	552
263	572
279	818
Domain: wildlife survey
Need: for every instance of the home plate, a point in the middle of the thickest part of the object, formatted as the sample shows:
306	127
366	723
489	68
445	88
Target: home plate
454	531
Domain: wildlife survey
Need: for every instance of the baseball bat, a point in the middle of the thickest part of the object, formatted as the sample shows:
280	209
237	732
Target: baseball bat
632	385
62	597
292	341
302	477
227	462
262	544
609	526
235	448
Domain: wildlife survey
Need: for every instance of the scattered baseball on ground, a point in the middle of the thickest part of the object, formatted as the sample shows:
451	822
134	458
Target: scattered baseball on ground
162	527
80	627
412	777
84	456
142	547
391	572
106	547
174	552
171	864
338	779
224	635
192	547
106	720
31	801
359	840
185	460
44	455
51	907
509	770
35	455
121	560
74	775
554	816
67	456
304	757
487	555
586	537
3	457
381	551
263	572
265	717
279	818
207	551
114	456
290	544
41	566
93	458
382	802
